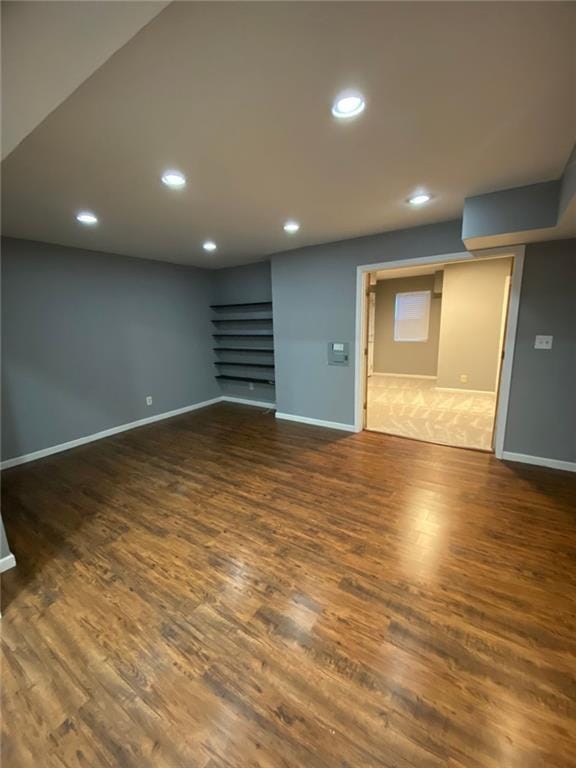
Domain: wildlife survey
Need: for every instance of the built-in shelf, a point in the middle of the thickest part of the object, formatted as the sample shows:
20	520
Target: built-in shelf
247	322
222	376
244	304
254	335
241	319
243	349
244	365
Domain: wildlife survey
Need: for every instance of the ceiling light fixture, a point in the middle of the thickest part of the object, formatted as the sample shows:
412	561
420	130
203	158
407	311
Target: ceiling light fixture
174	179
348	104
209	246
420	199
291	227
87	217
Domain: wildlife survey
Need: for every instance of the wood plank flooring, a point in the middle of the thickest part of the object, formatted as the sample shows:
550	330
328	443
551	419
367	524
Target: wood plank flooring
224	590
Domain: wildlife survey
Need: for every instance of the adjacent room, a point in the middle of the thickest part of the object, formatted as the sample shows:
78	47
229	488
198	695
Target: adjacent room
288	364
435	347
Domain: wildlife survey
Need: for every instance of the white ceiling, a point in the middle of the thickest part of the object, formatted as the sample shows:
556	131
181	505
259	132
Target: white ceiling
50	48
462	98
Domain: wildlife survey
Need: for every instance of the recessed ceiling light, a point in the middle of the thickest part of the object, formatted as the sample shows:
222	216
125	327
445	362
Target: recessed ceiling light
209	246
86	217
420	199
291	227
174	179
348	104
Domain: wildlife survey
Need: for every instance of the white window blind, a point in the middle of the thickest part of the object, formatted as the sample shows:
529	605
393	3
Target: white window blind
412	316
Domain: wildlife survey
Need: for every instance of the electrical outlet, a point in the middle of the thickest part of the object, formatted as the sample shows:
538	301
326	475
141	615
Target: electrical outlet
251	386
148	399
464	378
543	342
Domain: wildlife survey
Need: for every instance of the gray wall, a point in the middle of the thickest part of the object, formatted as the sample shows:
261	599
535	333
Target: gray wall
568	185
415	358
314	303
86	336
314	291
511	210
4	547
542	411
251	282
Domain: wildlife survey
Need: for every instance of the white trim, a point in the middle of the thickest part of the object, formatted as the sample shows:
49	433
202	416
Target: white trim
540	461
498	251
316	422
517	253
509	344
245	401
7	562
403	375
25	458
503	323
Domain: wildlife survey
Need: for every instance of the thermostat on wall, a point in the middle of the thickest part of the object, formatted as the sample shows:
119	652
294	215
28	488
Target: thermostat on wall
338	352
543	342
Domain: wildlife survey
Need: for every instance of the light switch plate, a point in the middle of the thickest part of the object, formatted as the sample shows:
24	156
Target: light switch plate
543	342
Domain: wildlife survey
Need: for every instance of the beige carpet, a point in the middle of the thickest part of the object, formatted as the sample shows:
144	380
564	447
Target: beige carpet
415	408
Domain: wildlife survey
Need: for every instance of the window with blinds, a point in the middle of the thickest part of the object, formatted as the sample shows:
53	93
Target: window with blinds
412	316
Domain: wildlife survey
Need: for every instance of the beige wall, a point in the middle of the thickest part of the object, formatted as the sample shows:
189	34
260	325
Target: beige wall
416	358
471	324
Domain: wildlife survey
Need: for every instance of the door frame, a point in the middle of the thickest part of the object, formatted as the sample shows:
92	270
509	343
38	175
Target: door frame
360	368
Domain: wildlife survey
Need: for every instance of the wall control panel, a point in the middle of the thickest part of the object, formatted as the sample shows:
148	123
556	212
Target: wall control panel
543	342
338	353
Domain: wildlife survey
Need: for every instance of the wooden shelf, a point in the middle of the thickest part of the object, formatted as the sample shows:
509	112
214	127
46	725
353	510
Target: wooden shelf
242	319
246	378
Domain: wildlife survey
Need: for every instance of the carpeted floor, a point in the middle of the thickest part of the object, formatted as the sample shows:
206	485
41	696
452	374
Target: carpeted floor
415	408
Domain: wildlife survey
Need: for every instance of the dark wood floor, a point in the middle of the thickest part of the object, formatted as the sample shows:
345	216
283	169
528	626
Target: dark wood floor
223	590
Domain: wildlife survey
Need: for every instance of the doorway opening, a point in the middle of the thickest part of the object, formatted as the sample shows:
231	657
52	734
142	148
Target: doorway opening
437	337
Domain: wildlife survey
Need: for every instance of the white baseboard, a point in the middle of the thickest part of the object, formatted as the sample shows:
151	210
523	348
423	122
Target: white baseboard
316	422
246	401
403	375
7	562
25	458
540	461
